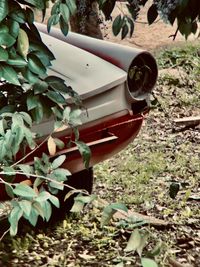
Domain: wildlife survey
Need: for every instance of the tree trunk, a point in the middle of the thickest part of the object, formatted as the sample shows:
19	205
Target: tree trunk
86	21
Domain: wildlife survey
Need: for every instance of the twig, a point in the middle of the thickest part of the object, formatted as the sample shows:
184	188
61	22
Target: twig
188	121
175	34
4	182
32	151
37	176
4	234
175	263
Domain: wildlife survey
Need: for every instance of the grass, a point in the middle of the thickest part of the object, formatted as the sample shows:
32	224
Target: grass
141	177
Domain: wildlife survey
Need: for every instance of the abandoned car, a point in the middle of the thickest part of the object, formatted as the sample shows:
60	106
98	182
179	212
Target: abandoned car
114	83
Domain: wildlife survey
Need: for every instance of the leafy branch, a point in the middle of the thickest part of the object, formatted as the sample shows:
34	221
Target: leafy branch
27	96
185	13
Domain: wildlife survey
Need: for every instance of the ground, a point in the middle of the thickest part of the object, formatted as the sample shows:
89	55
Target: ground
144	177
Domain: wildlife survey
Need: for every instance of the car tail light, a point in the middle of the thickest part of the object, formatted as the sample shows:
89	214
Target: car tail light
142	76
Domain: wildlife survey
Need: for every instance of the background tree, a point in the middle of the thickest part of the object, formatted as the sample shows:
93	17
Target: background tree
86	20
185	13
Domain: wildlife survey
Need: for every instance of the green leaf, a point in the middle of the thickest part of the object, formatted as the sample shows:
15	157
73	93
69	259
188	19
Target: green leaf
18	136
35	65
148	262
66	113
85	152
2	150
17	120
76	133
78	206
29	15
25	205
74	117
56	97
30	76
22	43
2	126
107	215
13	28
58	162
29	135
152	14
134	241
107	8
131	25
124	31
43	196
26	117
110	210
53	20
3	9
17	62
37	3
37	182
119	206
13	218
72	192
57	84
185	28
40	87
33	217
18	15
38	112
9	74
55	201
24	190
59	143
194	27
42	49
85	199
4	28
38	209
72	6
156	250
60	174
8	140
32	101
25	168
43	57
174	189
55	8
65	12
6	39
117	25
3	54
63	26
9	190
143	242
46	206
56	185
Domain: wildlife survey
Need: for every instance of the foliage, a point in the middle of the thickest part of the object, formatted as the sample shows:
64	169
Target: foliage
185	13
28	95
